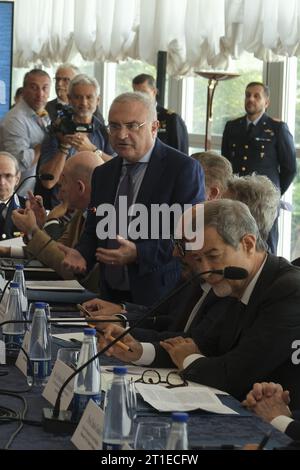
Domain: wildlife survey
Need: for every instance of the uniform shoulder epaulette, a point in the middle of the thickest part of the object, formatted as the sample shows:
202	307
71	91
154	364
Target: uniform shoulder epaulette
170	111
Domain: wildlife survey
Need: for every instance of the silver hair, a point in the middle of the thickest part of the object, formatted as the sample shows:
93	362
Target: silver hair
217	169
232	221
83	79
12	158
68	65
261	196
143	98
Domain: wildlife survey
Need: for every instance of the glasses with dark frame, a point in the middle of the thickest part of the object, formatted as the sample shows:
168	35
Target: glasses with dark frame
153	377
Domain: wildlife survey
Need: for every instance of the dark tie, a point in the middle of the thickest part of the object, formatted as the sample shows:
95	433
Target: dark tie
2	206
116	276
250	130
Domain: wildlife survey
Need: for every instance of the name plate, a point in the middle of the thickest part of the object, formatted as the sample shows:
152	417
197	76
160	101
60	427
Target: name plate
21	361
59	375
89	432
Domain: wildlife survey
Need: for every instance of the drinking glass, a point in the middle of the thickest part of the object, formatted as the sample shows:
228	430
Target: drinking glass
151	435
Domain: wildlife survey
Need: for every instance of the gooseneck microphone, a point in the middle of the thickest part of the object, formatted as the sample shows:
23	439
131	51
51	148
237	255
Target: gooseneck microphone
57	421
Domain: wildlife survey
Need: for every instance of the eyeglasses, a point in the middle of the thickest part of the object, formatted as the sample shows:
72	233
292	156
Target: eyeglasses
153	377
7	176
62	79
112	127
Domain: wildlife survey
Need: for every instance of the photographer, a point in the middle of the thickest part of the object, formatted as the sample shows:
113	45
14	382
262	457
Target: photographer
75	130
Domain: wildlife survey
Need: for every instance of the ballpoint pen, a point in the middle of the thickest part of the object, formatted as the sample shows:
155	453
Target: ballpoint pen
111	338
264	440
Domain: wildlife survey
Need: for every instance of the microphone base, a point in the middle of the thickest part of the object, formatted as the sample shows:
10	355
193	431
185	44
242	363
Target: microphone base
63	424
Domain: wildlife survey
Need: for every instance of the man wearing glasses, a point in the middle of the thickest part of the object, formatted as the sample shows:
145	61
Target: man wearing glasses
143	270
9	179
231	345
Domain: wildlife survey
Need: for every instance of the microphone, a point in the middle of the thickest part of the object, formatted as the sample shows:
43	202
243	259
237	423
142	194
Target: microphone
55	420
43	177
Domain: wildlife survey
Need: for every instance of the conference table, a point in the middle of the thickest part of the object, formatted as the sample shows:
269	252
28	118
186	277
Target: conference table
206	430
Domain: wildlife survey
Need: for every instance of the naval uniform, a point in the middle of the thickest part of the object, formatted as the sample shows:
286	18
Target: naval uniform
172	130
267	149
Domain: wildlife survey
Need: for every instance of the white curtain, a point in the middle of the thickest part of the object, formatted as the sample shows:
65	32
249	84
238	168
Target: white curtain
195	33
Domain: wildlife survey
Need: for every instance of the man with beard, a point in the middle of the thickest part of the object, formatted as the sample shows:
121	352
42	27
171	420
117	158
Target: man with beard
257	143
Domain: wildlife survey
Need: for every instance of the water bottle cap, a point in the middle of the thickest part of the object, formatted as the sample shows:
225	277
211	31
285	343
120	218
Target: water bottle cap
19	267
39	305
14	284
89	331
120	370
180	417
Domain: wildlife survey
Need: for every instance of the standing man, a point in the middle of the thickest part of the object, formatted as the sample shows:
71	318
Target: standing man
23	128
142	270
258	143
172	129
64	74
76	132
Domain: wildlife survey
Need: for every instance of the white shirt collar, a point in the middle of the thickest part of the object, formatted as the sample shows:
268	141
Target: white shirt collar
250	288
256	120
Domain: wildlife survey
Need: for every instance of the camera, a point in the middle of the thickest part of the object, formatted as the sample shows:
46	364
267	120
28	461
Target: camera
64	121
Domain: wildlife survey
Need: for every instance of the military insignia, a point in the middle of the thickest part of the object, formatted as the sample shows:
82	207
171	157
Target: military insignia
262	154
269	131
169	111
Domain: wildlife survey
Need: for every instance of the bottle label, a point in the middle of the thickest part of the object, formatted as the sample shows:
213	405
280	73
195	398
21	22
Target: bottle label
13	342
41	369
80	402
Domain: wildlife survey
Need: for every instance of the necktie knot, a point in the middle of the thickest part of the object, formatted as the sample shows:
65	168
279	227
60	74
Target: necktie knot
250	129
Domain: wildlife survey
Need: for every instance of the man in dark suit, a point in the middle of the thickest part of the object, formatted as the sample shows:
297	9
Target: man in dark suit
172	129
258	143
9	179
270	402
243	329
159	175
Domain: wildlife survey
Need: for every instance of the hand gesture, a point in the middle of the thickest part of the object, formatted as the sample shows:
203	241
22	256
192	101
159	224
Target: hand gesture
73	261
125	254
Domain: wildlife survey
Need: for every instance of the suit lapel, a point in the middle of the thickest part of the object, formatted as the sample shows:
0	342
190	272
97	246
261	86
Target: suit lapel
153	174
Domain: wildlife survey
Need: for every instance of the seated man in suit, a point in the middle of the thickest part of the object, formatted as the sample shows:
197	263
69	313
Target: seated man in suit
242	330
148	174
9	179
75	192
270	402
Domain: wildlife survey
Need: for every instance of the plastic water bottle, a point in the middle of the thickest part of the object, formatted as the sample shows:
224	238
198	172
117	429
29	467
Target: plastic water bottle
87	385
178	438
20	279
117	418
39	367
13	333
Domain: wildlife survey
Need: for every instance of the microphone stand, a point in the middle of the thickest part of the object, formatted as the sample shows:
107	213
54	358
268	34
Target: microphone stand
59	421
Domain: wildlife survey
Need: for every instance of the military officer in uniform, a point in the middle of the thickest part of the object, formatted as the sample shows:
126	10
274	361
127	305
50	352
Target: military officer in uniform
172	129
258	143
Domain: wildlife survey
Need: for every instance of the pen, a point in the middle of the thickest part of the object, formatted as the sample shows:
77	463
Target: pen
111	338
83	310
118	343
264	440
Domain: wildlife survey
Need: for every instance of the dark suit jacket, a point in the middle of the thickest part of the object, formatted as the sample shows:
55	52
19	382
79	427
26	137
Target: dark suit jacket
171	177
293	430
268	151
172	129
7	227
254	345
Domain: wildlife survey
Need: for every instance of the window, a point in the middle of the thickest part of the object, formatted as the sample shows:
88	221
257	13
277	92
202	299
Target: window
228	99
